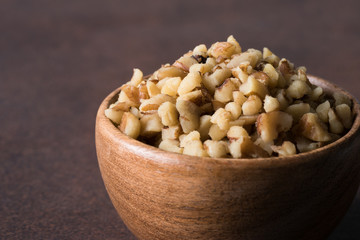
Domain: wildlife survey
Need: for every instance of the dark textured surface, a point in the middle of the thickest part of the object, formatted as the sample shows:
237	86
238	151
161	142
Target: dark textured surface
58	60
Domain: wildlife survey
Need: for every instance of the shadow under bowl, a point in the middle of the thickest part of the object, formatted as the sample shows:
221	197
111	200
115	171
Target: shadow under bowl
164	195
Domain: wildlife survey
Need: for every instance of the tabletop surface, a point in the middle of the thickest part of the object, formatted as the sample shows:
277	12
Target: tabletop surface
59	59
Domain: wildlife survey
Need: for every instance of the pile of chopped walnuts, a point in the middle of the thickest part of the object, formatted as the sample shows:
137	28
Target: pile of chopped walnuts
222	102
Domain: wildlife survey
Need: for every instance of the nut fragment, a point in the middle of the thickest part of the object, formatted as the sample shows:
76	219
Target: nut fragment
253	86
137	77
191	81
168	114
170	146
171	86
252	105
216	149
189	115
311	127
271	104
222	118
286	149
172	132
130	125
343	111
334	122
270	124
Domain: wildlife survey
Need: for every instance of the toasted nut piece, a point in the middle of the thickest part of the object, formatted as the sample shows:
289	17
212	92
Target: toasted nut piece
297	110
171	86
152	104
252	105
245	148
121	106
204	127
235	132
253	86
316	93
234	109
251	55
335	123
233	41
189	115
343	111
114	115
305	145
272	73
185	62
269	125
200	50
322	111
239	97
143	92
216	133
211	81
130	125
195	148
224	93
152	89
172	132
241	72
135	111
216	149
266	52
286	68
222	118
248	119
216	105
310	126
170	71
271	104
286	149
191	81
269	57
188	138
264	145
150	125
341	98
168	114
284	103
137	77
170	146
132	93
261	77
221	49
298	89
201	67
124	98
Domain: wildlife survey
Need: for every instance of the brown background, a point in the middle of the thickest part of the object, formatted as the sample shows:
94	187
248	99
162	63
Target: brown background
58	60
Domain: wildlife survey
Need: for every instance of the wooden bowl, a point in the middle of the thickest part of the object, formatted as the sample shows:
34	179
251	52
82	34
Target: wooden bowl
164	195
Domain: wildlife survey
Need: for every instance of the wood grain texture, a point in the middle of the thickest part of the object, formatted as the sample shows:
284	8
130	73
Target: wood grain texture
162	195
59	59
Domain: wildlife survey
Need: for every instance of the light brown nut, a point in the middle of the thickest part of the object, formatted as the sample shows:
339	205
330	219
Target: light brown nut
216	105
189	83
264	145
168	114
171	86
335	123
233	41
170	71
262	77
245	148
152	89
270	57
286	149
286	68
201	67
311	127
271	104
322	111
298	89
186	139
234	109
211	81
204	127
241	72
343	111
189	115
235	132
172	132
269	125
135	111
253	86
341	98
130	125
120	106
199	97
222	118
150	125
152	104
251	55
224	92
185	62
316	93
132	94
216	133
114	115
143	92
195	148
170	146
281	97
239	97
221	49
200	50
248	119
272	73
137	77
252	105
297	110
216	149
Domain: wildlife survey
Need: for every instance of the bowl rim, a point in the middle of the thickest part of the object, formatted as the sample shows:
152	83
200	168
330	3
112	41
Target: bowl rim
152	153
